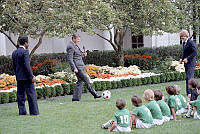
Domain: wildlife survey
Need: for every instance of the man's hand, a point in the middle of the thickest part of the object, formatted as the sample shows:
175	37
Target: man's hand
180	61
76	70
185	60
33	80
85	54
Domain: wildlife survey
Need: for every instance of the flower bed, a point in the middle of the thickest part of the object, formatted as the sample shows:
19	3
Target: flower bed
106	78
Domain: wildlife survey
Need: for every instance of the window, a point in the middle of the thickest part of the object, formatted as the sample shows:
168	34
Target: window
137	41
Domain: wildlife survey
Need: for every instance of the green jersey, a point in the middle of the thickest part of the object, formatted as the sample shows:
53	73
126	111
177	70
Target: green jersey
183	101
178	103
172	102
196	103
143	114
166	99
122	117
164	108
155	110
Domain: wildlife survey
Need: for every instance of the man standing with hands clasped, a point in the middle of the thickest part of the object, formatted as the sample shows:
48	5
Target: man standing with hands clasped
74	57
25	78
188	56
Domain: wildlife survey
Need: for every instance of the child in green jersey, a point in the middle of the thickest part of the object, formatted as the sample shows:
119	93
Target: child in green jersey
196	105
122	119
171	91
182	101
163	106
141	116
153	107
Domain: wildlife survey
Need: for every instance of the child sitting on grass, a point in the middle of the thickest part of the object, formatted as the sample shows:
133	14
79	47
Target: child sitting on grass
182	101
196	105
153	107
192	95
141	116
122	119
163	106
172	101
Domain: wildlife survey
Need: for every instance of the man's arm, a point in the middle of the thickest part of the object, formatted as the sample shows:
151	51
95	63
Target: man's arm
27	64
70	54
114	125
13	63
194	50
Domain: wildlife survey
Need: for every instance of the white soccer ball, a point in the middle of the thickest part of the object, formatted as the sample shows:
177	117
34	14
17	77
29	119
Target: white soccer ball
106	94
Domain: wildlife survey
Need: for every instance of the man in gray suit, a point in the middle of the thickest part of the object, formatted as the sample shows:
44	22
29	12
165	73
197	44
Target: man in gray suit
74	57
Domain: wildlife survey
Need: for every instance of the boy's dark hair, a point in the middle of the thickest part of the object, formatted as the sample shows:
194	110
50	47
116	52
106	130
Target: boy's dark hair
23	40
75	35
198	86
171	90
158	95
193	82
120	103
136	100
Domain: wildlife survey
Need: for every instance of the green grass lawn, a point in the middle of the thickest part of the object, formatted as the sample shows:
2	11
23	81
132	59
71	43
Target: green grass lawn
85	117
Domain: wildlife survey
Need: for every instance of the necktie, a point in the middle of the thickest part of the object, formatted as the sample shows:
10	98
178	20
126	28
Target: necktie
183	44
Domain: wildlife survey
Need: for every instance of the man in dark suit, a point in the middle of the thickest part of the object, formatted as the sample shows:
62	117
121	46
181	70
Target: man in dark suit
25	78
188	56
74	57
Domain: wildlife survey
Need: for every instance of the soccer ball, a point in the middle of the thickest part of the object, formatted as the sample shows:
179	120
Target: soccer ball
106	94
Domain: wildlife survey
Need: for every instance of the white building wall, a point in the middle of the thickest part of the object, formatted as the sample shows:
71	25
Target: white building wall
2	45
128	39
56	45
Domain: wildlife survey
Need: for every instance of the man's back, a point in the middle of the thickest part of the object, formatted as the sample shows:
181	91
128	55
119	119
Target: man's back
21	64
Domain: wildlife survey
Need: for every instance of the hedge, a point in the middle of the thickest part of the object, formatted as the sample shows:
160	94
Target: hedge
67	89
104	57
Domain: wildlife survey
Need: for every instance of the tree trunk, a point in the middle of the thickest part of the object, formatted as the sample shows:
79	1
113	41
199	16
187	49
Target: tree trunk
38	44
120	55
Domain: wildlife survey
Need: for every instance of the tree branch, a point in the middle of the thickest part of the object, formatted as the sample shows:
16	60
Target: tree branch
110	41
9	38
38	44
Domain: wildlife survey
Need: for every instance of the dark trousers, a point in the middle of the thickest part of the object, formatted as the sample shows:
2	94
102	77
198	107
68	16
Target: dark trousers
82	77
189	74
26	87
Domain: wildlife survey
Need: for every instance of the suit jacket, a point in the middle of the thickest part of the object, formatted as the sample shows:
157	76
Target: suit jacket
75	56
21	64
189	52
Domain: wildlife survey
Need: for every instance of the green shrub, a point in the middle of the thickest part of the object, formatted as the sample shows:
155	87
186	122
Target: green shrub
149	81
124	83
72	86
134	82
97	85
114	84
144	81
12	96
139	82
0	98
183	75
129	83
66	89
59	90
196	73
39	93
46	92
53	91
163	78
172	77
154	79
119	84
103	86
108	84
4	97
168	77
85	90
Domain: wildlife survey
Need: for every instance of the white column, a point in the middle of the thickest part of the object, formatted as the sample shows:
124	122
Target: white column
2	44
107	45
